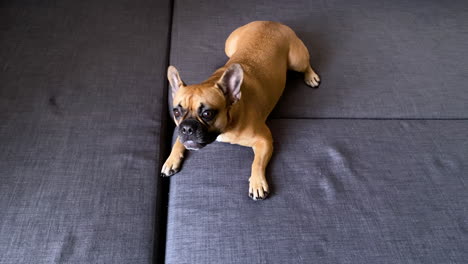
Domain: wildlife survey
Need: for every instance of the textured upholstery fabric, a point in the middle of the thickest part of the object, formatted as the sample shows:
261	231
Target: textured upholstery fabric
360	185
81	95
82	111
344	191
398	59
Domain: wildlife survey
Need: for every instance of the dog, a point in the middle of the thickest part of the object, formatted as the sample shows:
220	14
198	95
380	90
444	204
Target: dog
232	105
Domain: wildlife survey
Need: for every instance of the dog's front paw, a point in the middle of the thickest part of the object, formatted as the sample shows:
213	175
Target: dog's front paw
171	166
258	188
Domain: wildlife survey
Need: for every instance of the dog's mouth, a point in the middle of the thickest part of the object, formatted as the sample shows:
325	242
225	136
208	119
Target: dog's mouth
192	145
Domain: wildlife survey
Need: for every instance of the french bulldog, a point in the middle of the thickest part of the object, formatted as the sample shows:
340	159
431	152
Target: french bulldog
232	105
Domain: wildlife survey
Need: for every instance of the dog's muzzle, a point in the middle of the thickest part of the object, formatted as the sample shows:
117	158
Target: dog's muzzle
194	135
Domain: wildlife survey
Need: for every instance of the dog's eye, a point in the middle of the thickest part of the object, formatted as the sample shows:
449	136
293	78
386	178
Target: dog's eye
208	114
176	113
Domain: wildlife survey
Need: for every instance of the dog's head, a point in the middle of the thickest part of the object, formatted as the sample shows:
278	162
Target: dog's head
201	112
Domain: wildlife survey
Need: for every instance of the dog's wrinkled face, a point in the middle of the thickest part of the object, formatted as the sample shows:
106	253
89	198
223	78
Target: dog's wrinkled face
201	111
200	114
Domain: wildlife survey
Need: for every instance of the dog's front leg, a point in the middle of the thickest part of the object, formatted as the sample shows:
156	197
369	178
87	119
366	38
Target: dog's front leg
263	148
172	164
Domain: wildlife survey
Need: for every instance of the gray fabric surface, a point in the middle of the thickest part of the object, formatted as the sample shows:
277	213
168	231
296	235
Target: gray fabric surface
398	59
344	191
81	96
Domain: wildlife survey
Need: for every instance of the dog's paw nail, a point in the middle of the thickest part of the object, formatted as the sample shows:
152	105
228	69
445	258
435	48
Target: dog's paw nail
171	172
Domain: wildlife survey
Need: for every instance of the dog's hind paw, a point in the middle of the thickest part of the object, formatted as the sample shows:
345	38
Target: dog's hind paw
311	78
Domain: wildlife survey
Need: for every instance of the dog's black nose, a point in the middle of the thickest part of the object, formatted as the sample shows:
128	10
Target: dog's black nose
188	127
186	130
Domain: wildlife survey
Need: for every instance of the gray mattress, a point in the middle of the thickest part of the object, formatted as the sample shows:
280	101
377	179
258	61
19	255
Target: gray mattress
398	59
81	100
369	168
343	191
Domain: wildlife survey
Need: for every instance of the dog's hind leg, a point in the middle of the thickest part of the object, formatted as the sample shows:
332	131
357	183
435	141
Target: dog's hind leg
298	60
230	47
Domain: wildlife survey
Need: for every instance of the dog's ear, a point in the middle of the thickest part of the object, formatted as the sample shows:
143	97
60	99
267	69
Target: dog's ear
231	81
174	79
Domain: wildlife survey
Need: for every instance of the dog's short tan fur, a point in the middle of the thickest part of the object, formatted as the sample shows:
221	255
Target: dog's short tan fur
260	53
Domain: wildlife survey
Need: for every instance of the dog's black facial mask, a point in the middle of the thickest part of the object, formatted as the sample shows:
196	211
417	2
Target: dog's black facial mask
195	135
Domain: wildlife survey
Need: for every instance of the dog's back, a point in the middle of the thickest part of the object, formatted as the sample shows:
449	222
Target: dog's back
261	47
266	50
